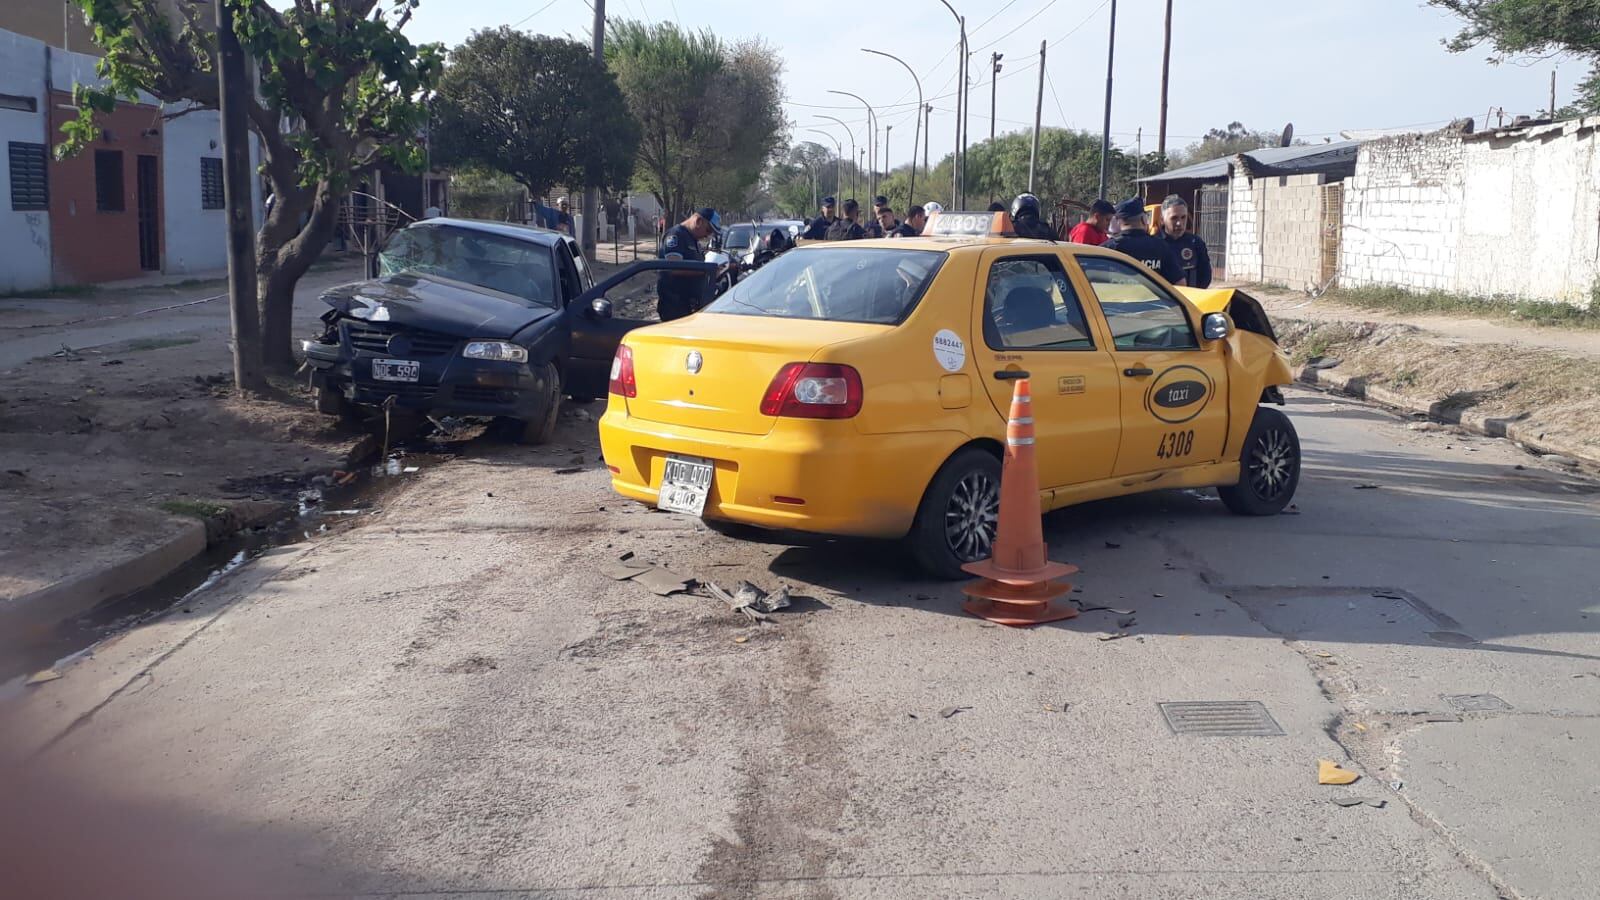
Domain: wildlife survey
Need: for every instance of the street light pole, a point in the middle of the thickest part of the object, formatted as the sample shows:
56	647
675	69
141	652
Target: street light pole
591	193
912	190
887	169
961	75
852	134
994	78
838	164
872	136
1038	115
1105	133
927	137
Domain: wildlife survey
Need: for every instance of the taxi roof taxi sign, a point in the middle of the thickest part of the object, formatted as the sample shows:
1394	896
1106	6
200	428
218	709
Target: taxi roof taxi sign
970	224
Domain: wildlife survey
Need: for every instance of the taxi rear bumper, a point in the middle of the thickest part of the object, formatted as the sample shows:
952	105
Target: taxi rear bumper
804	475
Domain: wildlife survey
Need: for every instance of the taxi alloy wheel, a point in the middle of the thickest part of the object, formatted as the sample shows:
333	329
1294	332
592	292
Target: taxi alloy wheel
971	516
1269	467
956	520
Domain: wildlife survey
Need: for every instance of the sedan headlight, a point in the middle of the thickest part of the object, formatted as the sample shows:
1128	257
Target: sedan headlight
503	351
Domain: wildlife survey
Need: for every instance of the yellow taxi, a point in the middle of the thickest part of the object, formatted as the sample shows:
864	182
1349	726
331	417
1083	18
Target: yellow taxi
862	388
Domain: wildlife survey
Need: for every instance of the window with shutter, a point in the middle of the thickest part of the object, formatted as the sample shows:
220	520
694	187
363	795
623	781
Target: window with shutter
211	196
30	185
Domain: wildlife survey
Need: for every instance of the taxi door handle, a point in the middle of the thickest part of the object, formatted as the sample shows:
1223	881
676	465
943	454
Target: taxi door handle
1010	374
1138	372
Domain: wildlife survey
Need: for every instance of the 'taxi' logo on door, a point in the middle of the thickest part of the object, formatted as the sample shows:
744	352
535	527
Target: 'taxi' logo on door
1178	394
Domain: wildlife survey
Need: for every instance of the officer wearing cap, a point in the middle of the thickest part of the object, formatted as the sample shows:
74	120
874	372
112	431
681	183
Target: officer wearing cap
847	228
817	230
1192	252
679	293
1136	241
1026	221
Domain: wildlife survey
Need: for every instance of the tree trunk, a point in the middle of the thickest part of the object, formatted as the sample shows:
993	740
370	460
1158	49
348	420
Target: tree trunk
281	263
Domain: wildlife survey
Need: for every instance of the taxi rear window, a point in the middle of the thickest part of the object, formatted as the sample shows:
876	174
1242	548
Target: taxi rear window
837	284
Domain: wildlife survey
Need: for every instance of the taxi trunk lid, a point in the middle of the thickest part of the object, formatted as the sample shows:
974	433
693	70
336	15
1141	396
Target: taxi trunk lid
737	356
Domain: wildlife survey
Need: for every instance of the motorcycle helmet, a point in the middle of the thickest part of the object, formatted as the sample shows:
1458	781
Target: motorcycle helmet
1025	204
931	207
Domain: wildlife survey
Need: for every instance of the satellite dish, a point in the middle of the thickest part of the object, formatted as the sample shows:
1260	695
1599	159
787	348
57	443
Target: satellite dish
1288	135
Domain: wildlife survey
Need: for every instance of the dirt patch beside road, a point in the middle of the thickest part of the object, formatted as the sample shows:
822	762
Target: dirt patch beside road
1547	397
112	450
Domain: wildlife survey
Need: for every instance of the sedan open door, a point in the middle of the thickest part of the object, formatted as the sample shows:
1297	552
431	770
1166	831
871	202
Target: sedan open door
602	315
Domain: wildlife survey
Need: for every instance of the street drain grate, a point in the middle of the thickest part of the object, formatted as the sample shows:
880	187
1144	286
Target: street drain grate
1477	702
1221	718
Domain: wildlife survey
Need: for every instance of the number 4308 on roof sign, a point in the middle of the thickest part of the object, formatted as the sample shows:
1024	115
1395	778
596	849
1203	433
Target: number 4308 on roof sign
970	224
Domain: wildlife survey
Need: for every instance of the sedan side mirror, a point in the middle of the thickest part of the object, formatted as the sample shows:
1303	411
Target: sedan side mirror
1215	326
600	308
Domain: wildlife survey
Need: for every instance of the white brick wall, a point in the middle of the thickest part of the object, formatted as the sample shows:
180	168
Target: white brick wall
1511	214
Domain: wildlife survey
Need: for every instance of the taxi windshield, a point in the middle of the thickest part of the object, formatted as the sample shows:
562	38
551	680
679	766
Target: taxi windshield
838	284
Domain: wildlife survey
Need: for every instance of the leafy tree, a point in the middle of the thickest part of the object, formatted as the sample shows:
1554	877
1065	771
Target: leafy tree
788	179
1517	28
710	114
479	193
1221	142
340	88
540	109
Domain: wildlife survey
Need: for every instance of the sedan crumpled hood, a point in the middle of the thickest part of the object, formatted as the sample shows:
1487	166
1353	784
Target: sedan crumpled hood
435	304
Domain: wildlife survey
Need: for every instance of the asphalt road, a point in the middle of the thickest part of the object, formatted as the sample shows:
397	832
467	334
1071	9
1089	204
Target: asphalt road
452	701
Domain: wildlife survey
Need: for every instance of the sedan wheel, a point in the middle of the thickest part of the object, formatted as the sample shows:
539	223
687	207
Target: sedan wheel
1269	467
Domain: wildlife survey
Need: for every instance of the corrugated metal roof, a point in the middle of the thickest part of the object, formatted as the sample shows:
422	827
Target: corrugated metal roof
1303	158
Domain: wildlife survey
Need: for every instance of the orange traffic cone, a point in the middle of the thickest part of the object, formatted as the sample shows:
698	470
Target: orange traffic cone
1018	586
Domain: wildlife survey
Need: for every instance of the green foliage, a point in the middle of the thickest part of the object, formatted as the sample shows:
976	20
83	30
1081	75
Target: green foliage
1221	142
788	179
478	193
710	114
1534	312
1530	28
537	108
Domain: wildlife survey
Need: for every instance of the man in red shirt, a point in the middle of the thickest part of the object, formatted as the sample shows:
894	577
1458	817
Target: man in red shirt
1093	229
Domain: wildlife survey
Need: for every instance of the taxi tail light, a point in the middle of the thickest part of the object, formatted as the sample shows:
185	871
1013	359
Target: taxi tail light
813	391
622	380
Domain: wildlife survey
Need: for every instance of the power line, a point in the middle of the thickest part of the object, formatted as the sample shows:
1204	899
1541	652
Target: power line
991	18
534	13
1016	29
1053	93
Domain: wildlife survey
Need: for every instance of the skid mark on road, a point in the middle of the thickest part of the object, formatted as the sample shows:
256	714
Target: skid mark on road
795	785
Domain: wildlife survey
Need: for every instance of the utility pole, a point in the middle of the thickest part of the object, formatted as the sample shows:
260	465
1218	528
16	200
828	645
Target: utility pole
1166	69
966	108
1138	156
888	169
591	193
233	91
1038	114
994	78
1552	95
1105	132
927	133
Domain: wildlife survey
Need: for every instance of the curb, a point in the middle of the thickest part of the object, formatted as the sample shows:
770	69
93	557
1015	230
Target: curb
28	616
1510	428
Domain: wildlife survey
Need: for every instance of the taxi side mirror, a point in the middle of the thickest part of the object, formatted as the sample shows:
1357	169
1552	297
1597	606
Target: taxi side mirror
600	308
1214	326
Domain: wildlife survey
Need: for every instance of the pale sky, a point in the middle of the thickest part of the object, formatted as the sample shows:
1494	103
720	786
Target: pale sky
1324	67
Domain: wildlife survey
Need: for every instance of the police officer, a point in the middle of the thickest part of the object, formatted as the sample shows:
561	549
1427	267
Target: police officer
817	229
1026	221
847	229
678	293
1136	240
1192	252
916	217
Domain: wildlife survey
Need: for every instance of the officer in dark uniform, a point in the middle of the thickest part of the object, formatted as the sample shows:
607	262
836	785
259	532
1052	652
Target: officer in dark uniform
916	217
1026	221
1192	252
847	228
817	230
678	293
1136	240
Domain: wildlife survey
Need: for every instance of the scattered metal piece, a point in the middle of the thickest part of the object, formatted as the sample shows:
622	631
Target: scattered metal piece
1477	702
663	582
1374	802
1220	718
622	571
1115	636
949	711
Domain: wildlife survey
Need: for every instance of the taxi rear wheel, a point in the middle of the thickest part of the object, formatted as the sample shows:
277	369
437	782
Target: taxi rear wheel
1269	467
956	522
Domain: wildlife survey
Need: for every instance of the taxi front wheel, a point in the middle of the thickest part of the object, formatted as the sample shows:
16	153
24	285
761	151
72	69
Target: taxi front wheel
1269	467
956	522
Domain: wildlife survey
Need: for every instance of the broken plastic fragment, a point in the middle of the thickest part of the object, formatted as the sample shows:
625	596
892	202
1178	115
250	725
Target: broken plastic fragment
1328	772
42	676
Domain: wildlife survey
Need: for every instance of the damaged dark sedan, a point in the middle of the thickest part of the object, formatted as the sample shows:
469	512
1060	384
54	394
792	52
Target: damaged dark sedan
472	319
